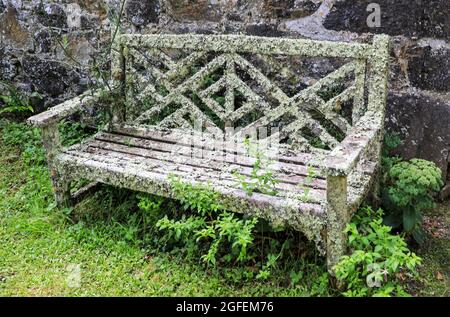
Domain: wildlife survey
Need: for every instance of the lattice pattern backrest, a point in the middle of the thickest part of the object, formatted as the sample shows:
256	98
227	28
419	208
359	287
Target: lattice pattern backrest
214	82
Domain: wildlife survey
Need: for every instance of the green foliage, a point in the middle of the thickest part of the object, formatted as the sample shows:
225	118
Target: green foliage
15	101
261	179
407	189
209	224
331	92
390	142
410	189
271	263
222	239
377	257
200	198
210	79
28	139
72	132
306	186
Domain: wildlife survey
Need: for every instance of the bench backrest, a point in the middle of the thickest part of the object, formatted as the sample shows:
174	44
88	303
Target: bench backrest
212	82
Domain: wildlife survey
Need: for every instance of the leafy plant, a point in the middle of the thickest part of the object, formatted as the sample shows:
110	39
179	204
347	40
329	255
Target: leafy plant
262	179
410	189
28	139
72	132
16	101
200	198
209	224
390	142
377	257
271	263
304	197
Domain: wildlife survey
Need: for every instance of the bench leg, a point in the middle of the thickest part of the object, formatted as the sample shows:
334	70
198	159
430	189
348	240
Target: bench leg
61	189
375	193
337	218
61	183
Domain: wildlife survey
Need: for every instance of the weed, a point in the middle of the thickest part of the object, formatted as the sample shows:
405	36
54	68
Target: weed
15	101
304	197
262	179
210	223
377	256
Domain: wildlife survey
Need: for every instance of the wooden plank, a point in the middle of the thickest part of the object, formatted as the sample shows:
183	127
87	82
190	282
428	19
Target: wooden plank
218	165
250	44
211	155
272	208
128	161
204	140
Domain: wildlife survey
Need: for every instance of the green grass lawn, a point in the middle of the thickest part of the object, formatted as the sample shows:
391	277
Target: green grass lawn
94	250
435	271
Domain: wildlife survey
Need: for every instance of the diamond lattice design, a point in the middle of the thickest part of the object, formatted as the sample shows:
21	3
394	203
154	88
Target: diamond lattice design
204	88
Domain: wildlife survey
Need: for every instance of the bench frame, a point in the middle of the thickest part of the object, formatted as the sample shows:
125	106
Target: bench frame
363	141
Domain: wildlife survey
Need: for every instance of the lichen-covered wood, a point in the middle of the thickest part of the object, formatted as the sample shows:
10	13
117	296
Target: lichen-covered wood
185	103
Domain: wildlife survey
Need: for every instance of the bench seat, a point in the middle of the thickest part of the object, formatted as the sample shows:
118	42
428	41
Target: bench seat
145	160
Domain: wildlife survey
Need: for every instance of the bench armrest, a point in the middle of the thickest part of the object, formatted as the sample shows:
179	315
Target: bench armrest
65	109
343	158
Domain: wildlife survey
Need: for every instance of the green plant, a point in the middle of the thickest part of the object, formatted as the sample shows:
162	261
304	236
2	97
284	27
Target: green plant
377	257
210	224
200	198
304	197
262	179
271	262
150	205
72	132
28	139
410	189
390	142
16	101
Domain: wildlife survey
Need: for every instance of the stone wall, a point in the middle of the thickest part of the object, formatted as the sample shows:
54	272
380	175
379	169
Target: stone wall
46	46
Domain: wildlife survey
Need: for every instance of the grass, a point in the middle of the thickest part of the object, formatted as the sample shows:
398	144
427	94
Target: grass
96	249
435	271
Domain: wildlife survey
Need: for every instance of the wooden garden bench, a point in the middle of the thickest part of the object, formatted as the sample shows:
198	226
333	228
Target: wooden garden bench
177	95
